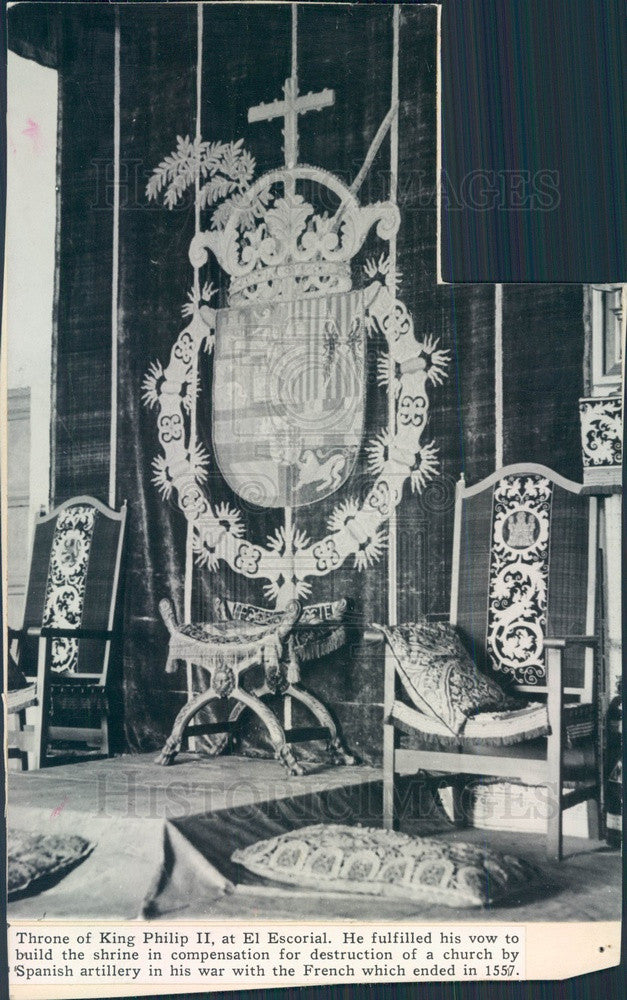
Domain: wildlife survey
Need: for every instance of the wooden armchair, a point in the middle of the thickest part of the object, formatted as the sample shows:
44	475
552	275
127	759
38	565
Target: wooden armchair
523	601
70	623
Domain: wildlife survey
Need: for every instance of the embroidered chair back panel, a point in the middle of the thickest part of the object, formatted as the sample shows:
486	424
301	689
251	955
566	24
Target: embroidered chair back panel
525	563
72	583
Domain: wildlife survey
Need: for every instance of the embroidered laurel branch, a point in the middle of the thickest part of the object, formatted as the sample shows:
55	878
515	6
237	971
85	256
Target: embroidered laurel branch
224	171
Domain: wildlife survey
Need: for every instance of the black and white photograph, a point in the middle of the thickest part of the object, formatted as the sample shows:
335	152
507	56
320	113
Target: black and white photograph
312	558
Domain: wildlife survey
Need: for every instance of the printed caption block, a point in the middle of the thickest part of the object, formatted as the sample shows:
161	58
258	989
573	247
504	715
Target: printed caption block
231	955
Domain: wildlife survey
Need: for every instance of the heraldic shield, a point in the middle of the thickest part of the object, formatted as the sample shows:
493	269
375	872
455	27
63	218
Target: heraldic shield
288	397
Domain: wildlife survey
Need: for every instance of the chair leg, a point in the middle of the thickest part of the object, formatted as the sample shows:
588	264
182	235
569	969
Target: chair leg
390	815
34	756
104	731
554	754
193	744
22	721
458	788
390	743
593	808
173	743
282	750
554	834
41	722
338	753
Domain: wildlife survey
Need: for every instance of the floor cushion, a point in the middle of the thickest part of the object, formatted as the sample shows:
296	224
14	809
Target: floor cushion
35	857
376	862
440	677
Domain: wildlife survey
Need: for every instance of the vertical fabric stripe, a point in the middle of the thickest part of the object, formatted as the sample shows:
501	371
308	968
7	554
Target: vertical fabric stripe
288	516
438	149
189	547
188	585
392	532
294	41
54	357
498	377
115	261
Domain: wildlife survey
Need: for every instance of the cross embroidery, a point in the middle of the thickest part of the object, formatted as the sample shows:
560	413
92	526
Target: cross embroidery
289	109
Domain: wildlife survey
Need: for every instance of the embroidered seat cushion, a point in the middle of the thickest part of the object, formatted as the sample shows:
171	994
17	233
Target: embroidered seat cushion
386	863
324	638
440	677
484	729
209	644
33	857
227	632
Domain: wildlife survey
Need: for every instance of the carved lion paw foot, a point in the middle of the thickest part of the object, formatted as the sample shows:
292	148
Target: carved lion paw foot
340	757
294	768
166	757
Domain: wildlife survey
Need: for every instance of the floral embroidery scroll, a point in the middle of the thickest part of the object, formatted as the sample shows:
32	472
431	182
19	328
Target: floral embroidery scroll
519	572
67	575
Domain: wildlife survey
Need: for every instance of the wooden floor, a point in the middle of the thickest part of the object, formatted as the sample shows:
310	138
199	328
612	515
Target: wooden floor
124	805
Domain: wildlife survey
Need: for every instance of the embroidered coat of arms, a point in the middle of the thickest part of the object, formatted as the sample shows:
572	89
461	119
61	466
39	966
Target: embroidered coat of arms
288	397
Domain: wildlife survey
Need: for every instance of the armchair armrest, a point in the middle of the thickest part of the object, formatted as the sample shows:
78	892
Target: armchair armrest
372	635
561	642
51	632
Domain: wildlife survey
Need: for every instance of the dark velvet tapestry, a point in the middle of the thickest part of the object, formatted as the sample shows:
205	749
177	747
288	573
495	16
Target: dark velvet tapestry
245	61
85	235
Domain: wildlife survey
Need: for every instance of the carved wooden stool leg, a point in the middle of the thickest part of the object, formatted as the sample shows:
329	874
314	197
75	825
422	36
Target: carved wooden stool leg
338	752
239	706
188	711
276	733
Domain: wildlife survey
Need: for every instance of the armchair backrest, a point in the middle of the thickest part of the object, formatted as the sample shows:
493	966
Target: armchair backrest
73	581
524	569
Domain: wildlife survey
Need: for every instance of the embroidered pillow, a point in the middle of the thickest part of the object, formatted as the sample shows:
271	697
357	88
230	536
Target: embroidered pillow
33	857
386	863
440	677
